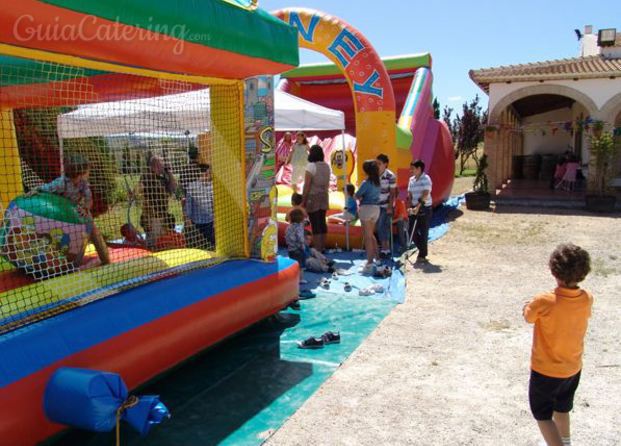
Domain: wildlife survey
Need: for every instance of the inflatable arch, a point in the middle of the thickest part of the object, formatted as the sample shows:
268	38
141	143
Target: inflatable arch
366	75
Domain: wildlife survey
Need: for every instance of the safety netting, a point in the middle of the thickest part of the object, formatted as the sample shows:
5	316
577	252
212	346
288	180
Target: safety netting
110	180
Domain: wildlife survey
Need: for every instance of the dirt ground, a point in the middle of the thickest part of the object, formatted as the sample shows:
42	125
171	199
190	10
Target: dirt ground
450	366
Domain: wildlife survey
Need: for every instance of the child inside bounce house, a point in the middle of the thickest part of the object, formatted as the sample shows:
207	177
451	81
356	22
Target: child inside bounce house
45	232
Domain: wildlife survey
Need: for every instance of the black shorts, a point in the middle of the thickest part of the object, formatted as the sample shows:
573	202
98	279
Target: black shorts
547	394
318	222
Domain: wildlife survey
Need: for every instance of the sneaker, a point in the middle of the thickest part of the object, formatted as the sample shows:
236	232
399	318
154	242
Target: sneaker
311	343
331	338
368	269
307	294
366	292
376	288
421	259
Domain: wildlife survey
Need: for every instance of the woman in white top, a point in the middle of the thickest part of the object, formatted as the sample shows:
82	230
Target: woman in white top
298	159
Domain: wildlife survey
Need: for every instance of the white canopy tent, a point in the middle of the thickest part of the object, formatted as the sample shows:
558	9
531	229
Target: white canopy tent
188	113
178	113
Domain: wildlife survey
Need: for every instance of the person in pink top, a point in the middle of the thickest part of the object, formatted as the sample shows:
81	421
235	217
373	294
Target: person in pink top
283	149
568	181
559	172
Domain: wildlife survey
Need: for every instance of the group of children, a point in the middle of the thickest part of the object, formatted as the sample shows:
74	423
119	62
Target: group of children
381	212
197	207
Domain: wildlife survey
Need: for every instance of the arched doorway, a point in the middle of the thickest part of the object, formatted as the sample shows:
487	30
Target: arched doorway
529	130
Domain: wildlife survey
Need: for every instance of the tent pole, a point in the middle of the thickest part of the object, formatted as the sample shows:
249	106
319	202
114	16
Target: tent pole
344	177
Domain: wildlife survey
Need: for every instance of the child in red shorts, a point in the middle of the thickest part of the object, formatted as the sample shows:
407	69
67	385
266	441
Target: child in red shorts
561	319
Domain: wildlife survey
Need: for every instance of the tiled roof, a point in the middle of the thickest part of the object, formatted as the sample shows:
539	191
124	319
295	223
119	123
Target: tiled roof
590	67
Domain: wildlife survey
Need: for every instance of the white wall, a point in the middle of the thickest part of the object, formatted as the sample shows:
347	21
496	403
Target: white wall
599	90
535	142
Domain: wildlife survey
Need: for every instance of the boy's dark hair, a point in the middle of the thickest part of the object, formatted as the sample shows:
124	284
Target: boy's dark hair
296	216
370	168
296	199
307	233
315	154
570	263
75	165
351	189
169	222
383	158
419	164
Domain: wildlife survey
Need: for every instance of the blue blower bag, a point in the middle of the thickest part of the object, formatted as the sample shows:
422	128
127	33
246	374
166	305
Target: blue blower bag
89	399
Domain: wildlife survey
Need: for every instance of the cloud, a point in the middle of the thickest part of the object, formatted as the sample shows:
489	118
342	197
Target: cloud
454	98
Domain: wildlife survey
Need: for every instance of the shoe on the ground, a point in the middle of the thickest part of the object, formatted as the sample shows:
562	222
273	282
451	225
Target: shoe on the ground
295	305
330	337
376	288
311	343
366	292
421	259
307	294
368	269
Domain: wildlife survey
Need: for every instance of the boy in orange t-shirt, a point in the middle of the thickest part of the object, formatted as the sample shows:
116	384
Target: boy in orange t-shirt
400	221
561	319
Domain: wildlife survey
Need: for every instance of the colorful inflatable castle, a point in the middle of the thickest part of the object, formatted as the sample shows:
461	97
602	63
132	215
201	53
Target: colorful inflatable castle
138	227
370	90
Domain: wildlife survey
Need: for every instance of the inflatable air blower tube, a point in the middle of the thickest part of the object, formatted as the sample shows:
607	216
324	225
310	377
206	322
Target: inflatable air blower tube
89	399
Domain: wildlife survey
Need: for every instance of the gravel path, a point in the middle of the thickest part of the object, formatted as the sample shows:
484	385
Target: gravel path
450	366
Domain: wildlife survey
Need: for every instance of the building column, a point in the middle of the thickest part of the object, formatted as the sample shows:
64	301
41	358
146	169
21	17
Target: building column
490	147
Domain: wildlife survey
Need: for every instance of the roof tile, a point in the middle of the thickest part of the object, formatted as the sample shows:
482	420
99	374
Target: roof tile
579	67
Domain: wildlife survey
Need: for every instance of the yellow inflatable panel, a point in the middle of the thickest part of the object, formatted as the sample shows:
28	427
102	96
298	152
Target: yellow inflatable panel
337	202
10	166
52	290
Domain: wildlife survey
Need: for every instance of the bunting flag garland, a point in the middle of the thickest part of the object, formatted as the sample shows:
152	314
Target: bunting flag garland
543	128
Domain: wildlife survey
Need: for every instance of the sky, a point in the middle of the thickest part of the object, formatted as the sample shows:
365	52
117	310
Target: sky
465	35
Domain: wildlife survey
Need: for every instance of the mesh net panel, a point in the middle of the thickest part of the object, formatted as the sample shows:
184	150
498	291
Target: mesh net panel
108	181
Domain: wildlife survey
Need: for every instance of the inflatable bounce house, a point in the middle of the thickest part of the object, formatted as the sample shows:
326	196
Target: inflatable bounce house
137	226
370	91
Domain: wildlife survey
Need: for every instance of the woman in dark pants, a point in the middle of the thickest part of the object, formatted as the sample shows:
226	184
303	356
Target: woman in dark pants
315	195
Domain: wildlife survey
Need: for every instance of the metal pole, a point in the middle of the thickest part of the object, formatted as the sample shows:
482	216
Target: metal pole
344	178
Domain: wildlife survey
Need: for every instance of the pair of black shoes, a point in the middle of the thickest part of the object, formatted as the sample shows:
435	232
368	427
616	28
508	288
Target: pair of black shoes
314	343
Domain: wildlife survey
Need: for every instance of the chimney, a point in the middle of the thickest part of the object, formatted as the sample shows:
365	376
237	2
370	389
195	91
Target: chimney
588	43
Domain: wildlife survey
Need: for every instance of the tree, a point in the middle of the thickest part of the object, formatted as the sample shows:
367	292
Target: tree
469	131
451	123
436	108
